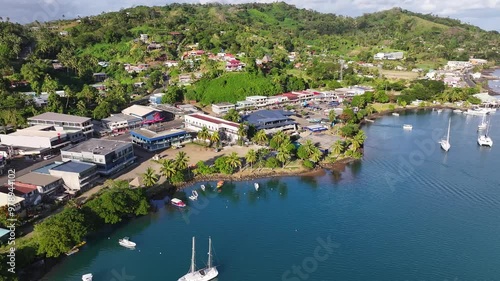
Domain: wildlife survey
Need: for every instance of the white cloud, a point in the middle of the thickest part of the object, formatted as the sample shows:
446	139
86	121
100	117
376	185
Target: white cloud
484	12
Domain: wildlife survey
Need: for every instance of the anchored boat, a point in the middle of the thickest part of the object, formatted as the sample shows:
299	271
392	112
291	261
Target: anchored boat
204	274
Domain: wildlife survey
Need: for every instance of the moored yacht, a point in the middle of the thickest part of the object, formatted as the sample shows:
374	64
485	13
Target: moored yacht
484	140
477	111
87	277
125	242
204	274
407	127
178	203
445	143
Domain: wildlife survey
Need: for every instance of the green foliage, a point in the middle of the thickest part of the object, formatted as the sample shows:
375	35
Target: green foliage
349	130
272	162
178	177
308	164
222	165
60	232
203	169
149	177
174	94
232	115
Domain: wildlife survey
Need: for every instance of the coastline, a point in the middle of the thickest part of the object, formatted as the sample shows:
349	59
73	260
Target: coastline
486	76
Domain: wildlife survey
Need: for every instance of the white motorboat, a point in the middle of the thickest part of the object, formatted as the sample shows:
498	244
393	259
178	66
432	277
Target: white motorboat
445	143
477	111
439	110
125	242
395	114
194	195
87	277
178	203
484	140
458	111
204	274
407	127
483	124
256	185
202	187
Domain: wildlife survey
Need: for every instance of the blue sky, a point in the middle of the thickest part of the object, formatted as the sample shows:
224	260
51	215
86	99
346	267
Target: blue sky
483	13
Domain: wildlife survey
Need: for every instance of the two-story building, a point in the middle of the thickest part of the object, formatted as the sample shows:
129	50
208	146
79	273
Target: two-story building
67	122
30	194
228	130
223	107
120	122
148	115
76	176
45	184
153	141
110	156
258	101
271	120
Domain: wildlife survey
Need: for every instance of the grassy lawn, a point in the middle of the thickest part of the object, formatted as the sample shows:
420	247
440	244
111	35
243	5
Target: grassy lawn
395	74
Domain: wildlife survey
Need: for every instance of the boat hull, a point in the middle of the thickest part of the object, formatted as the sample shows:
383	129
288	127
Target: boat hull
205	274
445	145
485	141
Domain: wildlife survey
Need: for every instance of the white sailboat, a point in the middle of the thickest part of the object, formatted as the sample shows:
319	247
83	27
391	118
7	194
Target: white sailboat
445	143
256	185
483	124
205	274
87	277
194	195
203	187
484	139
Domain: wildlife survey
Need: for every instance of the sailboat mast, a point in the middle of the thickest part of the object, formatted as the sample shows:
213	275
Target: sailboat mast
449	125
193	266
209	252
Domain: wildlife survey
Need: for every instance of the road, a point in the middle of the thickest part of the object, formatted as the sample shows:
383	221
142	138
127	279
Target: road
466	77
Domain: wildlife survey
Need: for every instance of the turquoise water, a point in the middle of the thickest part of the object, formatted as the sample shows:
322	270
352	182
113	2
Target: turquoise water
408	211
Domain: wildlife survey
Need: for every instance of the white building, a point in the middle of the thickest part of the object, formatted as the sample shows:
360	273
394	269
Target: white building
244	104
223	107
258	101
15	201
389	56
77	176
65	121
227	129
457	65
277	100
121	122
109	156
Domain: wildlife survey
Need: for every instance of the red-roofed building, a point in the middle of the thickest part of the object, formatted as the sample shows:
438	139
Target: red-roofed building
234	65
291	96
228	130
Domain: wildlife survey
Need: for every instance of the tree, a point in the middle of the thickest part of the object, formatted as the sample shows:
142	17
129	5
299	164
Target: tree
149	177
251	157
167	168
203	134
181	160
232	115
358	140
233	160
49	85
215	138
338	147
283	155
331	116
242	133
174	94
349	130
59	233
261	138
54	103
102	110
278	138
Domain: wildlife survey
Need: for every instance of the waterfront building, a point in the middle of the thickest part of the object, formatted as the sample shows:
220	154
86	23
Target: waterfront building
110	156
67	122
76	176
120	122
271	120
258	101
45	184
244	104
15	202
223	107
153	141
228	130
29	193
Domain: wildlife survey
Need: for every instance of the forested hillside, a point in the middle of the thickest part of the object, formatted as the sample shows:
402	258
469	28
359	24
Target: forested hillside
318	41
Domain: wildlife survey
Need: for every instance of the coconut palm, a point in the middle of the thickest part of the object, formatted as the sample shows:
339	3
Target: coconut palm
215	137
167	168
233	160
204	134
308	146
251	157
283	155
338	147
261	137
149	177
315	155
357	141
370	109
181	160
242	133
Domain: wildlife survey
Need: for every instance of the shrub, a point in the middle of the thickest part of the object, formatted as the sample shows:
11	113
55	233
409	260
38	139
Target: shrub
308	164
272	162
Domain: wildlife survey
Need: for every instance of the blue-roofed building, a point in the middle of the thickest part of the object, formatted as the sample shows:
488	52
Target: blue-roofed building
76	175
271	120
153	141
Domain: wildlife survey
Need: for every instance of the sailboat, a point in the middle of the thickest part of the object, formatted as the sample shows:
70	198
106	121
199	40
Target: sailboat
205	274
484	139
445	143
483	124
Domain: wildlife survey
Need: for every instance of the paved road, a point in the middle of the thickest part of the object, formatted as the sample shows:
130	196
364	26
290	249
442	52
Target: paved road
466	77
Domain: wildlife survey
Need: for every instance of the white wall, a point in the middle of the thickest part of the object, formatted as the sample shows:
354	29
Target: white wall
25	141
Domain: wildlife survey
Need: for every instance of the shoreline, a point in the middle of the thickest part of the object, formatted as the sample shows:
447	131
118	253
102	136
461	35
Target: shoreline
486	76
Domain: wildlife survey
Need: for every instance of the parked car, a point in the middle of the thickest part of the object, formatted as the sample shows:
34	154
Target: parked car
47	157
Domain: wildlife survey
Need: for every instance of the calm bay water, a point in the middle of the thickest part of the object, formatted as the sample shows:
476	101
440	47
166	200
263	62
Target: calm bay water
495	84
408	211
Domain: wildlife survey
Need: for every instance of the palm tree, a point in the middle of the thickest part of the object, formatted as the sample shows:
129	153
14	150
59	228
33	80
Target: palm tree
338	147
181	160
370	109
357	141
309	147
149	177
315	155
242	133
167	168
215	138
283	155
233	160
261	137
251	157
203	134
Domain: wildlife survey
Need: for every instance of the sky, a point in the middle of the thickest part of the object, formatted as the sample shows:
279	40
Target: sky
483	13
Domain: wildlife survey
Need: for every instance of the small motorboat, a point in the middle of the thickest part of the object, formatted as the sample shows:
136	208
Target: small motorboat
407	127
256	185
457	111
178	203
220	184
439	110
194	195
87	277
125	242
75	249
202	187
395	114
